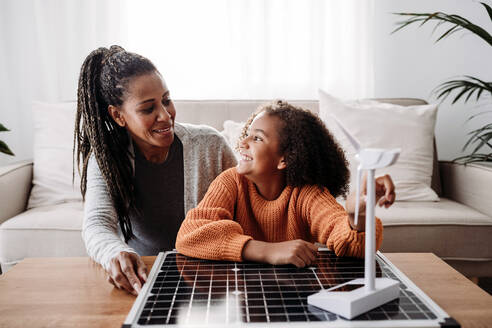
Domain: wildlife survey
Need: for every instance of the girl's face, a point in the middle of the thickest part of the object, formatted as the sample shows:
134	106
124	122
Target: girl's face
147	113
260	157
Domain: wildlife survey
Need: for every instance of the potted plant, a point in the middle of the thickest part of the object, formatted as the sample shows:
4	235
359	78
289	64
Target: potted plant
3	146
466	88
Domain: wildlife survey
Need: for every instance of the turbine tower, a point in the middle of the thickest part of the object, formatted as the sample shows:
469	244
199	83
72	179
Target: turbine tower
357	296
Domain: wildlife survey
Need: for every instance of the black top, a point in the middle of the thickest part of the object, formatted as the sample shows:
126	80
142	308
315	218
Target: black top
159	193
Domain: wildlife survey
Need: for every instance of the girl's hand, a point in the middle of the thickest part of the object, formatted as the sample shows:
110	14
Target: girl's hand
298	252
385	190
127	271
385	196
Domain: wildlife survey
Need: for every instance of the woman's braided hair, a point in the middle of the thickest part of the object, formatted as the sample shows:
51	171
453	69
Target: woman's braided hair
312	155
104	78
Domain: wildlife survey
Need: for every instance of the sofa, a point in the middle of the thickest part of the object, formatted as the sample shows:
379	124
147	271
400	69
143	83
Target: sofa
456	228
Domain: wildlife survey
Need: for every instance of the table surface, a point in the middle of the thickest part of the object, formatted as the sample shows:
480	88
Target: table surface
56	292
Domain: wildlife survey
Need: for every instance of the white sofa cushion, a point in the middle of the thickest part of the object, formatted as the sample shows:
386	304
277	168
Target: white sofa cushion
53	144
383	125
232	132
53	230
444	212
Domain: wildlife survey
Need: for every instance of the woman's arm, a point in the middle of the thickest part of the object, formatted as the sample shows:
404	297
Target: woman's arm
100	225
124	267
209	230
329	224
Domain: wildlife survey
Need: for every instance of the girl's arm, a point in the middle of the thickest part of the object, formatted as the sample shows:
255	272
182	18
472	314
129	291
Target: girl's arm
329	224
209	231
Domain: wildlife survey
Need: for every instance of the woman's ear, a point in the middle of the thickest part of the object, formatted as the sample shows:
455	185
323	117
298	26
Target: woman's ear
115	113
282	164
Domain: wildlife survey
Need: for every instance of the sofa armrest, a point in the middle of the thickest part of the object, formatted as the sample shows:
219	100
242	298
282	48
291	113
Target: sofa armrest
469	184
15	186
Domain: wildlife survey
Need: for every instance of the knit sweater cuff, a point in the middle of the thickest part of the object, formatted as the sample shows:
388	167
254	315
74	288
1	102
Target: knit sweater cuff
349	242
233	245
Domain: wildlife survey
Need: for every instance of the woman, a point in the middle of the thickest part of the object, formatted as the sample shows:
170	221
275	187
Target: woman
141	171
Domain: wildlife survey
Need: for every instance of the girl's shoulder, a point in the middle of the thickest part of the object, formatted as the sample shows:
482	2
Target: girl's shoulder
230	180
231	176
314	191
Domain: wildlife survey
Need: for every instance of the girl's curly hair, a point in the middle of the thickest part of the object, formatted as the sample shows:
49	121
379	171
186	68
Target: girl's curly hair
312	155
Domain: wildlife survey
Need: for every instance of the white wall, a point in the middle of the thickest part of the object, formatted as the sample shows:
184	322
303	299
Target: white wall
407	64
38	37
410	64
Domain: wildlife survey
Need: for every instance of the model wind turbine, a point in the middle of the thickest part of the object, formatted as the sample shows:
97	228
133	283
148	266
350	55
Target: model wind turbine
357	296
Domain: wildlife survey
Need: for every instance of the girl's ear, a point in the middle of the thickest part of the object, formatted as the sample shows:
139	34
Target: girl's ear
282	164
115	113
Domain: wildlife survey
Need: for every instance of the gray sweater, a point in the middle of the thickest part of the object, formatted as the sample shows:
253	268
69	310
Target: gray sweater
205	155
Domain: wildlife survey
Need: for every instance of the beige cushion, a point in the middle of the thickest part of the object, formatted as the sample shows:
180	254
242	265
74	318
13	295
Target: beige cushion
447	228
53	146
15	184
232	131
43	231
445	212
383	125
469	184
458	242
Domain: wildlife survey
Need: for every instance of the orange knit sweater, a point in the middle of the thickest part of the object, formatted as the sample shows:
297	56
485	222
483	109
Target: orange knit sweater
232	212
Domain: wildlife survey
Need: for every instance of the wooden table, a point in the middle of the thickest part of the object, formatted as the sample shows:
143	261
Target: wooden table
56	292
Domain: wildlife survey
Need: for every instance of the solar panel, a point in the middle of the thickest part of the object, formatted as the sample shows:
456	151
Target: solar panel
192	292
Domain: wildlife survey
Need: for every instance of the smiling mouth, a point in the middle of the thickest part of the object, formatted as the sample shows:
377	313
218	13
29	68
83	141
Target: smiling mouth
164	130
246	158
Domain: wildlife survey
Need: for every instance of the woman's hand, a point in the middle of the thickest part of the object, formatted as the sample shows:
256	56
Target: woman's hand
298	252
385	196
127	271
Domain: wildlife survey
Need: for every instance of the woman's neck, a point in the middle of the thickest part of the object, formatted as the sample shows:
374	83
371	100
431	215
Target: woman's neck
270	187
152	154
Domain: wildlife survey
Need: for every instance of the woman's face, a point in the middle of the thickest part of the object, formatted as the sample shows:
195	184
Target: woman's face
260	157
147	113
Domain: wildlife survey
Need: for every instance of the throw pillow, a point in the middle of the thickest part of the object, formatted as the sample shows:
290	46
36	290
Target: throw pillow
382	125
53	144
232	132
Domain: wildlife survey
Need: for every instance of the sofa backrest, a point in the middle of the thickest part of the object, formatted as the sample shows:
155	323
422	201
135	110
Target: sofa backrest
215	112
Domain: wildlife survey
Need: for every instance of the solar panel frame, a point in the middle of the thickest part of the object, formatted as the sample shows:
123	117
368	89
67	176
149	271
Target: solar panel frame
256	294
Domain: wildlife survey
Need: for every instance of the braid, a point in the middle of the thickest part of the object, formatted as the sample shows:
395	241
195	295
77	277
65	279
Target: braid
103	81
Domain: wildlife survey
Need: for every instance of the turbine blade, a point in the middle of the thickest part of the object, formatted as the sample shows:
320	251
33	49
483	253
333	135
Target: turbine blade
351	138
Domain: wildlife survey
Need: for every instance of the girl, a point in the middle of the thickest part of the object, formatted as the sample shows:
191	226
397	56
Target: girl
141	171
280	199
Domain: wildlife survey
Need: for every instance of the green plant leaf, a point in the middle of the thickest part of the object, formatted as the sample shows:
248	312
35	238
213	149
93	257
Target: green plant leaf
440	18
5	149
3	128
482	140
468	86
467	159
449	32
481	136
478	114
489	10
